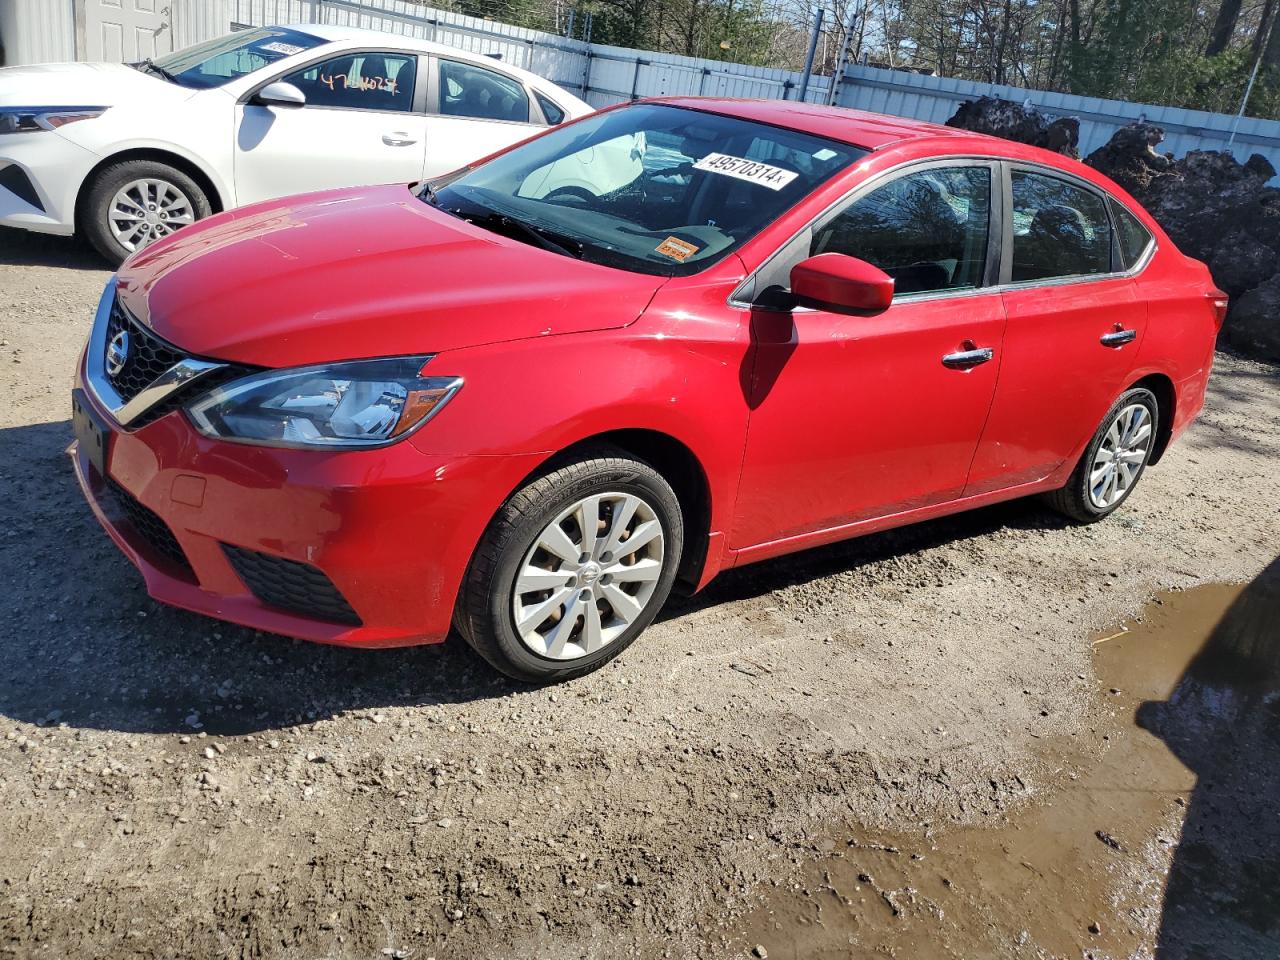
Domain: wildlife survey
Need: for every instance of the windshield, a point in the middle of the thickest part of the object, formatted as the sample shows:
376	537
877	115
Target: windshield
215	62
650	188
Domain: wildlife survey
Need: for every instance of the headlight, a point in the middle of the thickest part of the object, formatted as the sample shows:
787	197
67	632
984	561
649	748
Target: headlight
34	119
364	403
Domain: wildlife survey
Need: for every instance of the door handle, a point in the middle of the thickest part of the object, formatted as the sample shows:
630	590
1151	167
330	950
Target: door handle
398	139
1118	337
966	359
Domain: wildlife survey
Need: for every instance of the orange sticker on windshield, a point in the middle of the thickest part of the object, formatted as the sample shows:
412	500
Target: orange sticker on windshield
676	249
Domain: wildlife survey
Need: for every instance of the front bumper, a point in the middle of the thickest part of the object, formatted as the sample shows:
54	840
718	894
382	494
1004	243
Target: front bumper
40	178
392	529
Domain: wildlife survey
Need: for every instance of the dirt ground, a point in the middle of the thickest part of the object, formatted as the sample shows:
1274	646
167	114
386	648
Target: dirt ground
175	787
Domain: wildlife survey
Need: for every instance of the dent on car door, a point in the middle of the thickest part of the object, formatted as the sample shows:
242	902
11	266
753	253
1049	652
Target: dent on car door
1075	324
362	124
858	417
477	111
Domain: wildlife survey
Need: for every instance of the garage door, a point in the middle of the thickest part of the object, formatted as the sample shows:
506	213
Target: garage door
124	30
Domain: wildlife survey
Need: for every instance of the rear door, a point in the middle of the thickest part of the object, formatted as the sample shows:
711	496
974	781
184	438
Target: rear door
362	123
1075	323
474	111
854	418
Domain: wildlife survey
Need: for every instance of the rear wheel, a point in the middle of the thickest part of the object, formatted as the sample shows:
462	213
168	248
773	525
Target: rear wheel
1114	460
133	203
573	568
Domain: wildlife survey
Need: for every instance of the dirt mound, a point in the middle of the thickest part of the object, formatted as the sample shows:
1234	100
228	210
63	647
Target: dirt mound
1020	122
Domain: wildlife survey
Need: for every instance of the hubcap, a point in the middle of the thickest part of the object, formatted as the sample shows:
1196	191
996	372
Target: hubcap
1121	455
589	575
143	211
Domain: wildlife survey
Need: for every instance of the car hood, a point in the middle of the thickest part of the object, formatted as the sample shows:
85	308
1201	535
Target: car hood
370	272
81	85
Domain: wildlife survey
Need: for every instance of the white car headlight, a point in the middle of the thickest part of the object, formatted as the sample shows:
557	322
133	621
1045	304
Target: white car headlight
361	403
35	119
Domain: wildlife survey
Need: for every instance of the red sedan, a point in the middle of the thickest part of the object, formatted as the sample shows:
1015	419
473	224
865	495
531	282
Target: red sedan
528	399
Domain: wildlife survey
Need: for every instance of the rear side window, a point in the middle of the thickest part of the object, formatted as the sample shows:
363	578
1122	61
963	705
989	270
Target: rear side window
927	230
1134	237
468	91
1059	229
360	81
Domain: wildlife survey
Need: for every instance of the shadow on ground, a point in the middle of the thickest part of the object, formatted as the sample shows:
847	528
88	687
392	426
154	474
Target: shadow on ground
1222	721
26	249
84	645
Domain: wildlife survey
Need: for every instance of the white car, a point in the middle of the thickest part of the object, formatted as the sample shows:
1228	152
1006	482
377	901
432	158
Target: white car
126	154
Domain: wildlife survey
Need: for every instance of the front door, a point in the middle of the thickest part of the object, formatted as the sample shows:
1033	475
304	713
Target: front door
1075	325
855	418
477	112
359	126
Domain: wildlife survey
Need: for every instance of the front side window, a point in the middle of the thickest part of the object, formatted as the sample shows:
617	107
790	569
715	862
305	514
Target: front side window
360	81
927	230
649	188
468	91
215	62
1059	229
1133	236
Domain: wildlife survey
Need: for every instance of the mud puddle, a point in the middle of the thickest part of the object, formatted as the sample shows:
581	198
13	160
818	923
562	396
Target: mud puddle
1162	840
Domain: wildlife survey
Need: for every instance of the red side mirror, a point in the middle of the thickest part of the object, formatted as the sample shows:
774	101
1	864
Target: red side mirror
833	281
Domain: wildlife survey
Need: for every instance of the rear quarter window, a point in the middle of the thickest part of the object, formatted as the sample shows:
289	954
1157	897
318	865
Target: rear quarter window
1133	236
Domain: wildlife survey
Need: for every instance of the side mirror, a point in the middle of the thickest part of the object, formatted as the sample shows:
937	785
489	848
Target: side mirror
280	94
841	284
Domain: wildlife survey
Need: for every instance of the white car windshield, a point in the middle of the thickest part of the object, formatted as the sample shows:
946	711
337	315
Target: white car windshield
220	61
650	188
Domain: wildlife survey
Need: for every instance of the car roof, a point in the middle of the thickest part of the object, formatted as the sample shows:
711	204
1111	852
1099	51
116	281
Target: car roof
337	33
857	127
877	131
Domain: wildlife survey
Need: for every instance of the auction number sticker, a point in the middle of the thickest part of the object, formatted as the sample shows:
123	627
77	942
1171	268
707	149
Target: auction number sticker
752	171
288	49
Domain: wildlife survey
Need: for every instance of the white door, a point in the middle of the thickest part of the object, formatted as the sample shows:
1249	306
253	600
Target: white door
124	30
479	111
358	127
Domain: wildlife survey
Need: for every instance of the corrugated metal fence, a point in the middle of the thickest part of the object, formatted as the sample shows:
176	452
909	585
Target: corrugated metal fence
604	75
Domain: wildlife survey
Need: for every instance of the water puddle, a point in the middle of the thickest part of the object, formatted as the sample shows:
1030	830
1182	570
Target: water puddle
1183	783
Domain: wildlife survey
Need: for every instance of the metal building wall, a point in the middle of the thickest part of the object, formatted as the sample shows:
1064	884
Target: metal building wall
37	31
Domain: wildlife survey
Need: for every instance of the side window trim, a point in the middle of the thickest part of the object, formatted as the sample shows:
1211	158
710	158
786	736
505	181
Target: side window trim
746	292
417	108
1118	267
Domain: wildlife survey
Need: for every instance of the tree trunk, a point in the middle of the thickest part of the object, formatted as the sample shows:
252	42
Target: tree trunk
1224	27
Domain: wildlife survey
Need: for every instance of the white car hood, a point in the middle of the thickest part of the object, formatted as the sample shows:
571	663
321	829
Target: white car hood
82	85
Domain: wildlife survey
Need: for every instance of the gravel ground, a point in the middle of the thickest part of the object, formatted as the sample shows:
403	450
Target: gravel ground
172	786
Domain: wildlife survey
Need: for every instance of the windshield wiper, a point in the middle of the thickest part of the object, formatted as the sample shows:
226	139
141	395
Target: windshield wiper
150	66
555	242
428	193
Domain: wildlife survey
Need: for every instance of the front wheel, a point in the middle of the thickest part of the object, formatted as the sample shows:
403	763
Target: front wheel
134	203
1114	460
571	570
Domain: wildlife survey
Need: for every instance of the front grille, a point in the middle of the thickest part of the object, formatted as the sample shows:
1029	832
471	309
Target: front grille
153	531
148	356
290	585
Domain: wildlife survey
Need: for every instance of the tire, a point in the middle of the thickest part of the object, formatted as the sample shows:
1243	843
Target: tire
185	202
630	492
1080	499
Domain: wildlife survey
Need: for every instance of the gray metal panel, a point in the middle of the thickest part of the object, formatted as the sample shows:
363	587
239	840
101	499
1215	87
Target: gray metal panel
37	31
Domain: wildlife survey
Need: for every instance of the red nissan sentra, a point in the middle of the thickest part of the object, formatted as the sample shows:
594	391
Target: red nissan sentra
531	397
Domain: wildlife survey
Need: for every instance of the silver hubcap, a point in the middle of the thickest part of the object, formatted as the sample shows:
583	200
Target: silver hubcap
588	576
146	210
1120	457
